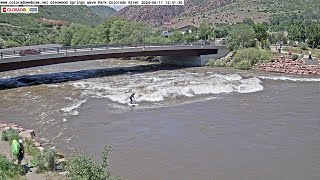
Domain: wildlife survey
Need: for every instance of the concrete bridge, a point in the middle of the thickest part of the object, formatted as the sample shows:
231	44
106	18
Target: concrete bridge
178	54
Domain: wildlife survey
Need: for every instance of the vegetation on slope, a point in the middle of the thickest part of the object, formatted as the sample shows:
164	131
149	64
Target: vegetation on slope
103	11
72	14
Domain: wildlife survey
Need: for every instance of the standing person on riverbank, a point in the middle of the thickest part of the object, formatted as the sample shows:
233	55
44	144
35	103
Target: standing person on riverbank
21	152
310	55
15	147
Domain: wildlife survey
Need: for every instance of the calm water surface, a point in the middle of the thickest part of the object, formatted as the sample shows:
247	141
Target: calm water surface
194	123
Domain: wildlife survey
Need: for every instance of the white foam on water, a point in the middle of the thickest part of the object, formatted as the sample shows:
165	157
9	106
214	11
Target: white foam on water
72	108
153	87
6	77
288	78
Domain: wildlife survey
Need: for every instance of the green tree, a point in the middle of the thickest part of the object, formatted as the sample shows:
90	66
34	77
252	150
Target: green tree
261	32
118	31
104	29
84	36
176	36
190	37
220	32
11	43
204	31
65	37
248	21
313	34
2	43
241	36
278	37
157	40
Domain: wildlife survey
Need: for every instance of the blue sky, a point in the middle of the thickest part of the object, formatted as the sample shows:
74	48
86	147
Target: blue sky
117	7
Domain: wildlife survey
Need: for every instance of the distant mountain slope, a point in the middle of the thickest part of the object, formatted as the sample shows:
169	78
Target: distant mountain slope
218	11
70	14
157	15
73	14
103	11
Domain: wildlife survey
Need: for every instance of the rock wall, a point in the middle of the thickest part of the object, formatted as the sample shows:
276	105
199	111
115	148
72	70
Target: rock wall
289	66
23	132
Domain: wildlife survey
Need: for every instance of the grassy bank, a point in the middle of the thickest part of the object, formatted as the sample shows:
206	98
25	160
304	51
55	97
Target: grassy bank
305	51
243	59
45	163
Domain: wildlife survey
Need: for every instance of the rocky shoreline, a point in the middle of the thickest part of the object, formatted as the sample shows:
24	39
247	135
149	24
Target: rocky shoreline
27	134
23	132
289	66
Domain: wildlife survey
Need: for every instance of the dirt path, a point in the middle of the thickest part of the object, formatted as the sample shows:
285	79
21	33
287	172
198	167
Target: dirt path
30	173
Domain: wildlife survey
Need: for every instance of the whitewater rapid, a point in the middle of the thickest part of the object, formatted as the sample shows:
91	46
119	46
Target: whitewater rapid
155	87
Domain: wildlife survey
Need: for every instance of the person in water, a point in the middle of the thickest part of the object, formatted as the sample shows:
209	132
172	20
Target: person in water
132	99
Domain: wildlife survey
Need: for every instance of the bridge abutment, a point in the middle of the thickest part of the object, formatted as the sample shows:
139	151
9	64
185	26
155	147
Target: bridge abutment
181	60
193	60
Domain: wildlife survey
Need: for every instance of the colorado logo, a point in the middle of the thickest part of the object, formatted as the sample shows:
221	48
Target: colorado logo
19	10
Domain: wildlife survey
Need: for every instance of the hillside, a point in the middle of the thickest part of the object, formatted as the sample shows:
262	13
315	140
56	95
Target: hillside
103	11
157	15
70	14
218	11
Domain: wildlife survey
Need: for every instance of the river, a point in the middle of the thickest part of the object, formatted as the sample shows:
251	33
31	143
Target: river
191	123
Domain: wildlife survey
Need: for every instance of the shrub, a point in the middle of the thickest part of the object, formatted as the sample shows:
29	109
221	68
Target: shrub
30	149
45	160
243	64
216	63
295	57
9	170
249	57
10	135
303	46
83	167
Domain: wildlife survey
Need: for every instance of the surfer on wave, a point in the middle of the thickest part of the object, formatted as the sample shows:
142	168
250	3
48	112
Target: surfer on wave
132	99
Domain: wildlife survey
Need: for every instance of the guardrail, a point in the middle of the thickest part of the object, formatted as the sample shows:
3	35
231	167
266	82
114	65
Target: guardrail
66	49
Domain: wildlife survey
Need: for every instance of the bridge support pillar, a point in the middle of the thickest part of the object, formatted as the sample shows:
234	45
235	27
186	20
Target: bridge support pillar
201	60
181	60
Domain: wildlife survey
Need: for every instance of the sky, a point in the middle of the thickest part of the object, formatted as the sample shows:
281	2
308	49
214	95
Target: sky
117	7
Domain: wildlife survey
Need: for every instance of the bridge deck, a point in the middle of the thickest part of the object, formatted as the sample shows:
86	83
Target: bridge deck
11	60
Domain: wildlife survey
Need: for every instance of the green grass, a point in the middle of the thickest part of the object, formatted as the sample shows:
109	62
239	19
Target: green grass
297	50
9	170
9	135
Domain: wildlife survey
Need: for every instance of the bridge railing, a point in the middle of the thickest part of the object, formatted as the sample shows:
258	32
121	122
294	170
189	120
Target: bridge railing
69	49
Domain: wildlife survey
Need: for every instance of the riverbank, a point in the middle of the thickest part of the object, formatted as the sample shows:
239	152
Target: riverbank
290	66
26	135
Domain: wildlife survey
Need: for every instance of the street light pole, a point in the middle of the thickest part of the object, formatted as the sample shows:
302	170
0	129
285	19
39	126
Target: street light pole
144	40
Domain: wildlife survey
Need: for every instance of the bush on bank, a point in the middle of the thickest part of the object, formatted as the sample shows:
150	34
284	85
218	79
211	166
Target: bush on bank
218	62
243	59
246	58
9	170
9	135
45	160
83	167
295	57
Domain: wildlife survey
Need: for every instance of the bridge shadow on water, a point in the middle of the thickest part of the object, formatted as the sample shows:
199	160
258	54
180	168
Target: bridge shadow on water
59	77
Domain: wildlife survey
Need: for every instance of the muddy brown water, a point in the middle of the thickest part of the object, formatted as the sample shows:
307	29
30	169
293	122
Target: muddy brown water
246	125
